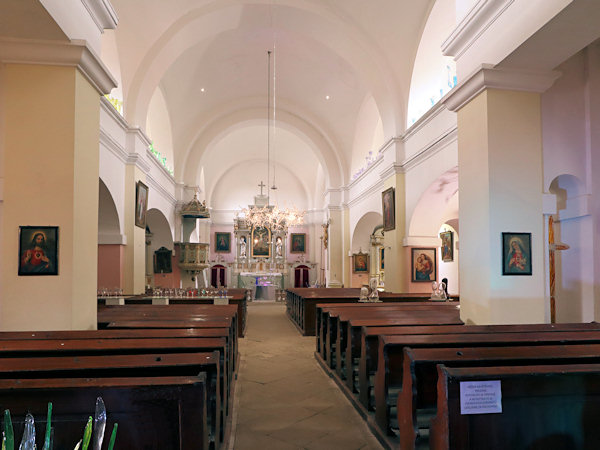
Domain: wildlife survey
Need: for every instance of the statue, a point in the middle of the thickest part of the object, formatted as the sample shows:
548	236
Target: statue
374	294
243	247
278	247
438	291
326	233
364	293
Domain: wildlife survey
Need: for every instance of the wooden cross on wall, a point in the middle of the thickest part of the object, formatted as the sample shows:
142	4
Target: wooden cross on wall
262	185
552	248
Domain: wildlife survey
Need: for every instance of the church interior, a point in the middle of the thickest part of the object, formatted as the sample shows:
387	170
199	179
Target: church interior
203	148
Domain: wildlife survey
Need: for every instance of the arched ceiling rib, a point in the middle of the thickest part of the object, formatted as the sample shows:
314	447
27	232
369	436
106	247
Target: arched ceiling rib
347	49
313	138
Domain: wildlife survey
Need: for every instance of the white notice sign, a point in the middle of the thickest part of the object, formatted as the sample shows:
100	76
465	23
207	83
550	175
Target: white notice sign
480	397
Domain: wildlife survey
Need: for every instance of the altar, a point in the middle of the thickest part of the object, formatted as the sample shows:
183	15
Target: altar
263	284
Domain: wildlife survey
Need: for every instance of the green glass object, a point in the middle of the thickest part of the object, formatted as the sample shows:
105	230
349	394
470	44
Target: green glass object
8	431
113	437
87	434
48	428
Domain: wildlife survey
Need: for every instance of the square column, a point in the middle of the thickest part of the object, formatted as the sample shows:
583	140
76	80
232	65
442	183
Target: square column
397	256
49	128
51	120
500	189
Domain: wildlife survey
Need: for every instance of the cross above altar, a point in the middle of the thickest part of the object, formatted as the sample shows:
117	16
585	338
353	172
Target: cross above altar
262	185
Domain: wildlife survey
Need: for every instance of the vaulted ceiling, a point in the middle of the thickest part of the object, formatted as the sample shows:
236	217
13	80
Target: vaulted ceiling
341	68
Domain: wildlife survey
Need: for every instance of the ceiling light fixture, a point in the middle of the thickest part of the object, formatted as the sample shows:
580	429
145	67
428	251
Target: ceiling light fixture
271	216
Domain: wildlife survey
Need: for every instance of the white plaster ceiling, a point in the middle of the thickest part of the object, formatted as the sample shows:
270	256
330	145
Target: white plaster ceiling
351	50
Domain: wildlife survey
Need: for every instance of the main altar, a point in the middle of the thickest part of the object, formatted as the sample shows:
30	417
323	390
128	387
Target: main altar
261	256
264	285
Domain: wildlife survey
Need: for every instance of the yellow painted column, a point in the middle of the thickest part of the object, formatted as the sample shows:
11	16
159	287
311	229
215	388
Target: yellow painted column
50	122
397	268
134	264
335	260
346	247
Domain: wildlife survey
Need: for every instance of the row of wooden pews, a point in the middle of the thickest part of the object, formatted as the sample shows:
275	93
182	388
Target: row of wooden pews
166	379
235	296
302	303
402	365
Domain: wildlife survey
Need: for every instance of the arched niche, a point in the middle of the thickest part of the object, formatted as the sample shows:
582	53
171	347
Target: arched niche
110	241
361	243
448	256
574	267
158	235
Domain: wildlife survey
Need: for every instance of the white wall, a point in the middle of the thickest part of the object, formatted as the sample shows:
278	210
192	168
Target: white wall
567	173
158	127
433	73
368	136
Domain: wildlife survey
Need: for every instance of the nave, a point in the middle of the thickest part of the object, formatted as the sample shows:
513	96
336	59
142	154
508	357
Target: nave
283	399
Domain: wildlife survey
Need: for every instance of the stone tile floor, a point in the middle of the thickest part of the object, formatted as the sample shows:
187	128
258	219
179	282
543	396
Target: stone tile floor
283	399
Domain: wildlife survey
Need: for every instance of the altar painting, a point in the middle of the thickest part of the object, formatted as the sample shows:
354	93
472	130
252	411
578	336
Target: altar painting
261	239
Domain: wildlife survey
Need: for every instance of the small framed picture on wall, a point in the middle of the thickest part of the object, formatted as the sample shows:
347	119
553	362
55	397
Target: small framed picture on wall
360	263
222	242
388	207
141	204
447	246
516	254
298	243
38	250
423	264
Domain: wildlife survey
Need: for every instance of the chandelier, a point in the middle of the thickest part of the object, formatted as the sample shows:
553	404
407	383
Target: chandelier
271	216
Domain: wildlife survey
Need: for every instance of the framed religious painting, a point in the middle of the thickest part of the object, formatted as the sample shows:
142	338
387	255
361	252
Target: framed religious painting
360	263
298	243
388	202
38	250
222	242
261	242
516	254
423	265
381	260
141	204
447	246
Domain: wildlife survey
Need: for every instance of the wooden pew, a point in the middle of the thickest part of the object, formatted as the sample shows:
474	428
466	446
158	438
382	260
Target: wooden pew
171	316
88	347
122	366
419	377
327	313
237	297
301	303
128	333
389	368
564	414
369	346
210	314
442	314
401	314
160	412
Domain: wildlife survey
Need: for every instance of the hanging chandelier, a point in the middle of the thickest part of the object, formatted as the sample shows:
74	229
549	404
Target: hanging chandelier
271	216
